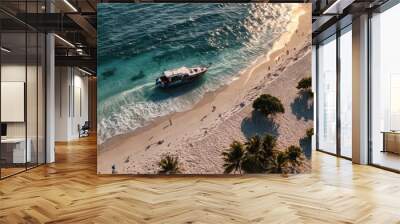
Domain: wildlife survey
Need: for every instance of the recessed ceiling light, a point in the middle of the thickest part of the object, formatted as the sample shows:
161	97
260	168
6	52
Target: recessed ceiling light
5	50
84	71
70	5
64	40
337	7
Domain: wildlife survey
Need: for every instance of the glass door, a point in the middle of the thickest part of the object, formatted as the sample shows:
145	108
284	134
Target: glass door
22	78
346	92
327	95
385	89
14	154
32	98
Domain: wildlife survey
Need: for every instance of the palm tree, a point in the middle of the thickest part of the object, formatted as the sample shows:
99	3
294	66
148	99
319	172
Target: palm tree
253	144
268	105
304	84
268	145
260	156
294	156
310	132
268	150
233	158
169	164
279	162
253	161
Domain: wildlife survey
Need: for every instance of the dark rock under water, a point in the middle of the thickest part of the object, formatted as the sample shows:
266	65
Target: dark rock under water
109	73
140	75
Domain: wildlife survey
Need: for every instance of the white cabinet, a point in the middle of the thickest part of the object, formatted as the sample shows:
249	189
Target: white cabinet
19	155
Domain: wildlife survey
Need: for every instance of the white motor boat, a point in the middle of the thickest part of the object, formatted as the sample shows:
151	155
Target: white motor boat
182	75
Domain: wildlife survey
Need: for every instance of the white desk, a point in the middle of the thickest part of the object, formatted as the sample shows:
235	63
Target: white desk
19	154
391	141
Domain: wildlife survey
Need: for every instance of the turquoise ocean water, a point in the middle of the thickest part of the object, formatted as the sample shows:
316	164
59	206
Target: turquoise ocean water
137	42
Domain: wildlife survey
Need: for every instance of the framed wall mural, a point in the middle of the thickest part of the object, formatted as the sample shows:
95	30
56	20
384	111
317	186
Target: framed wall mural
204	88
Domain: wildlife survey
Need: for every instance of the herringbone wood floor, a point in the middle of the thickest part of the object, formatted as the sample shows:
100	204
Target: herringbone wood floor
69	191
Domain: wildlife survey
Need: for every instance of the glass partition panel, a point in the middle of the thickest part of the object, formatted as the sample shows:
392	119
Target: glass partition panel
14	153
346	92
22	77
31	98
385	89
327	95
41	99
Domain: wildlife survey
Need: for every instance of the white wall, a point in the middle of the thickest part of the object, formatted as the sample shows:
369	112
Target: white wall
13	72
71	87
314	89
16	72
61	103
13	101
33	127
80	110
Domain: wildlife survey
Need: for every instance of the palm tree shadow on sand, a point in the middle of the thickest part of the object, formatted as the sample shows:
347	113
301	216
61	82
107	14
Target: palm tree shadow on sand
305	144
159	94
258	124
302	106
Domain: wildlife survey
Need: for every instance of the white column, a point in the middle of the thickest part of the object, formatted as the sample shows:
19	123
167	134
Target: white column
360	90
62	103
50	99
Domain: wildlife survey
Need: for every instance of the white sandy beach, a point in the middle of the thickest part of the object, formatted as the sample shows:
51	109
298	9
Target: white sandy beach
200	135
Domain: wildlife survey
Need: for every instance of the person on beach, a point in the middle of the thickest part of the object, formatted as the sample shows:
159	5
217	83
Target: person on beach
170	122
113	171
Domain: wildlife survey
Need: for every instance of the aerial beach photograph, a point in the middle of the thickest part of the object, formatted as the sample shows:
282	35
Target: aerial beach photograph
224	89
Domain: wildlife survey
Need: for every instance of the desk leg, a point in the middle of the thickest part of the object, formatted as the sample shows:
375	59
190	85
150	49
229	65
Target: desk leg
384	142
